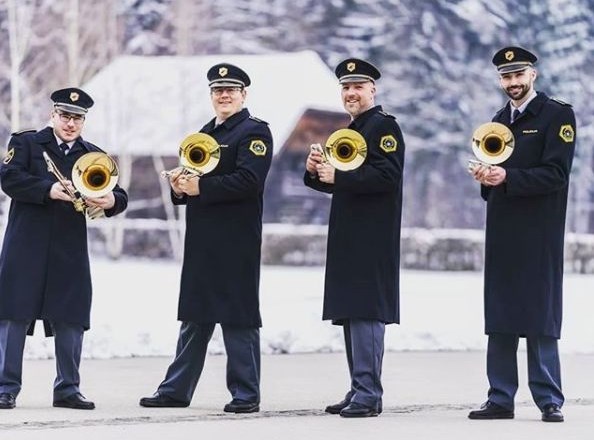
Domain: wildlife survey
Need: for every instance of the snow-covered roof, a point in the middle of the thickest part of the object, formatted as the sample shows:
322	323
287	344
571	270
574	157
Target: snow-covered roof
147	105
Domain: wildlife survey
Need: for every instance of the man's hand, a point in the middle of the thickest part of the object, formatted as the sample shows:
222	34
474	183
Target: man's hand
325	172
57	191
314	159
188	184
104	202
489	175
174	181
496	176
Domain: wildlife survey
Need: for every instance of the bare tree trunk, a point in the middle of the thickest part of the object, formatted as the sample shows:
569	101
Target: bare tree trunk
176	227
112	45
19	32
183	22
73	36
15	64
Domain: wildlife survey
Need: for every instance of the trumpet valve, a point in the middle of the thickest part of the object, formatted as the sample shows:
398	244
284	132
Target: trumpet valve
318	149
94	212
166	174
185	172
79	204
474	164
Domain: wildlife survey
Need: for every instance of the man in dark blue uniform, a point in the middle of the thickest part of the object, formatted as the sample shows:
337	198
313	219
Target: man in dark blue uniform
44	264
526	206
221	269
363	258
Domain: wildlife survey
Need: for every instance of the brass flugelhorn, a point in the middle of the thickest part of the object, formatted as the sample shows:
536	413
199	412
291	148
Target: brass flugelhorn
199	153
345	149
492	144
94	174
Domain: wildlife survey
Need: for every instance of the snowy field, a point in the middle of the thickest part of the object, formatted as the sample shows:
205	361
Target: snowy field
135	308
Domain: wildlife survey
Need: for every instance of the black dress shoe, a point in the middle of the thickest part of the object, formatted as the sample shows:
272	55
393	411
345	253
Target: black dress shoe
159	400
355	409
337	407
241	406
74	401
7	401
552	413
490	411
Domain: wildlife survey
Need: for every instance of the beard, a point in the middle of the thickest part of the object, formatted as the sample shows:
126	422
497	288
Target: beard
517	93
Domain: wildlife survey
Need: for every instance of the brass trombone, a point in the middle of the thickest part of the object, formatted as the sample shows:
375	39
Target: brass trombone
199	153
345	149
94	174
492	143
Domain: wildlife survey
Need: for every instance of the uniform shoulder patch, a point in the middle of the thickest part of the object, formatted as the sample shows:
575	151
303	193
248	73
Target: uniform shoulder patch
567	133
258	147
253	118
28	130
388	143
557	100
8	156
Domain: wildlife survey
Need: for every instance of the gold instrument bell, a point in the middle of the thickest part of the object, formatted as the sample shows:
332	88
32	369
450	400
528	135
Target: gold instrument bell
492	144
199	153
345	149
95	174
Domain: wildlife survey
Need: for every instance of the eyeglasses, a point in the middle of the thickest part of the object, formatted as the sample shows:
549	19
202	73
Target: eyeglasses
65	118
218	91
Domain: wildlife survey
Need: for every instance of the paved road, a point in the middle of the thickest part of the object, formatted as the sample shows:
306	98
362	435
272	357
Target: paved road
427	396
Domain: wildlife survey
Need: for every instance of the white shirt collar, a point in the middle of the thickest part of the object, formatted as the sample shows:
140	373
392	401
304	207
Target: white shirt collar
524	105
60	141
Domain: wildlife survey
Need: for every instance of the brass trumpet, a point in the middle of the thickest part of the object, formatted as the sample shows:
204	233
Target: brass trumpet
492	143
94	174
199	153
345	149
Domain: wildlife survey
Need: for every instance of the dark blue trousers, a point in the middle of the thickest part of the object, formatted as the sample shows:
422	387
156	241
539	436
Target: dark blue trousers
243	362
68	339
364	344
544	370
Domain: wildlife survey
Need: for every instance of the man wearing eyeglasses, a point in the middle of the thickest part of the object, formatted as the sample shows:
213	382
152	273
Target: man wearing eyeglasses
44	263
221	269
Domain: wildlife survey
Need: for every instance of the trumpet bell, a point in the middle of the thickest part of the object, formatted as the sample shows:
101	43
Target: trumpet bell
345	149
95	174
493	143
199	153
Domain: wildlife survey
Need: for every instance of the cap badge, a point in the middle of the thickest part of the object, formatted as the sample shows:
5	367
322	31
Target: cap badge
509	55
223	71
74	96
351	66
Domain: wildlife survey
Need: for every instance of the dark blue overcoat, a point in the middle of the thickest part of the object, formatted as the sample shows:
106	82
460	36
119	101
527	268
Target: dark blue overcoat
363	256
526	222
220	277
44	263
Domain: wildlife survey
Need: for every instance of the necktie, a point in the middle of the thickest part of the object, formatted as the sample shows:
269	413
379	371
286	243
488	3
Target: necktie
64	147
515	115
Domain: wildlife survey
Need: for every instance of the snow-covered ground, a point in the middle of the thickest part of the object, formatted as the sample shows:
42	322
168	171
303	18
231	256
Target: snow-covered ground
135	308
